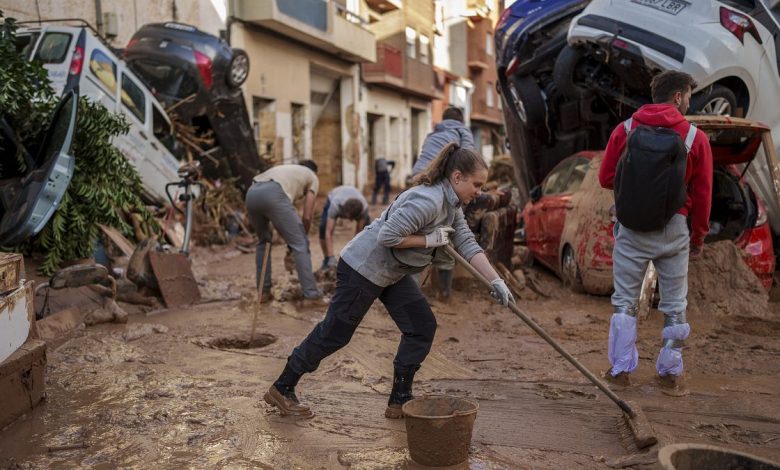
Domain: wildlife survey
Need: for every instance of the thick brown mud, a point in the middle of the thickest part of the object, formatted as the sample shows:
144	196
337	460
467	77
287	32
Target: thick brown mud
157	392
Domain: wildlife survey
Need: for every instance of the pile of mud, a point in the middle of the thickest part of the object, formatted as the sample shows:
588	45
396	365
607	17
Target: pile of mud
721	283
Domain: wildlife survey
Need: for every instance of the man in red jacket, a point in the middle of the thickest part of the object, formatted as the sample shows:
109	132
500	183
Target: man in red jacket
668	248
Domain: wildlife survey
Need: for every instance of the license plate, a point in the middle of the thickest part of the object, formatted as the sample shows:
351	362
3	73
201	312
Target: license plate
667	6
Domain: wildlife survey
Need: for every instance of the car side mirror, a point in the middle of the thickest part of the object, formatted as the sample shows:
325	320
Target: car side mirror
535	193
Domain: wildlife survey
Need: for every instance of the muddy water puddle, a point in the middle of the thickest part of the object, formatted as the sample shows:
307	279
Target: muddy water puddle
160	394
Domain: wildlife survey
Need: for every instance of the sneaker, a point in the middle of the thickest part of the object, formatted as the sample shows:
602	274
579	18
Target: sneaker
314	302
672	385
393	411
623	379
287	404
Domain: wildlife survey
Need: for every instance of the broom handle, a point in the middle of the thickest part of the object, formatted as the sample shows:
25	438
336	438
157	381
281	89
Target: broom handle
588	374
261	281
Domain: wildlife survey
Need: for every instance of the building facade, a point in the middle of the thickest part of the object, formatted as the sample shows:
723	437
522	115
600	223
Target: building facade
399	86
118	20
303	87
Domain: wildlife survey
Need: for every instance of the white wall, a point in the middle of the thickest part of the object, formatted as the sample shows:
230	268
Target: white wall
208	15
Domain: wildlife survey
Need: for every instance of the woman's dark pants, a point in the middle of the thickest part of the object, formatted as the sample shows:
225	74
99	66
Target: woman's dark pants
354	295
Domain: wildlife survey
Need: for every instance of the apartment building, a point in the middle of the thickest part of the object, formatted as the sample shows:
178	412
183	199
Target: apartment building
400	85
304	81
487	117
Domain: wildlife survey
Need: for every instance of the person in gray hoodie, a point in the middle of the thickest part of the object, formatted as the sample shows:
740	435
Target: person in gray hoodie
449	130
378	264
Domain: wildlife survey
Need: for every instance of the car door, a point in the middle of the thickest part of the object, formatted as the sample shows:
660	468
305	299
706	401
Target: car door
135	106
538	214
28	204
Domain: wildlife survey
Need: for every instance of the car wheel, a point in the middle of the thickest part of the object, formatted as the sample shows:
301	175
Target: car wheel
570	272
564	72
238	70
715	100
527	101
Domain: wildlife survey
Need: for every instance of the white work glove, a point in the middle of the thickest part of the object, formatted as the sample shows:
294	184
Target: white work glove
439	237
501	292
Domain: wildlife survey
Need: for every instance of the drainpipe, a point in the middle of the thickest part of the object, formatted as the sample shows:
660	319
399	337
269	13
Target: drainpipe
99	17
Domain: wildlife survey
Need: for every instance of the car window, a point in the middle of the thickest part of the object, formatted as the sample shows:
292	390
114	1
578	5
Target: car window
25	43
774	7
164	79
745	5
53	48
163	131
161	127
555	183
133	98
104	69
578	171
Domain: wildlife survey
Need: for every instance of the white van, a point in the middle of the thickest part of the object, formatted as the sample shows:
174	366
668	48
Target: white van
75	57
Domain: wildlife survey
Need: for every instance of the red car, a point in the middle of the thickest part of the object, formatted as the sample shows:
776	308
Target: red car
568	223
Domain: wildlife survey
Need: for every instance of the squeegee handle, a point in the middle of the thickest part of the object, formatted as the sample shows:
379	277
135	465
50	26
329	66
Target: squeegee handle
532	324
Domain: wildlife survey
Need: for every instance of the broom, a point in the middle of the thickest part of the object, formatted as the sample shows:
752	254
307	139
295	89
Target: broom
635	418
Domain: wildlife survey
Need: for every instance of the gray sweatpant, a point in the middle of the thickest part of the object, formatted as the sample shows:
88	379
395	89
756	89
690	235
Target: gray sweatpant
668	249
267	203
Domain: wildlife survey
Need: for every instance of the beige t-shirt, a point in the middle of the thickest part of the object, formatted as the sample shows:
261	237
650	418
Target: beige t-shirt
295	180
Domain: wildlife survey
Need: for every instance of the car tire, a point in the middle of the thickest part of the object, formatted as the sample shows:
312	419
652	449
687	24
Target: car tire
238	70
715	100
527	102
570	272
564	70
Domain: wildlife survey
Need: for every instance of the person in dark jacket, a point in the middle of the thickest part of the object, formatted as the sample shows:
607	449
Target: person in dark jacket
669	248
377	264
382	169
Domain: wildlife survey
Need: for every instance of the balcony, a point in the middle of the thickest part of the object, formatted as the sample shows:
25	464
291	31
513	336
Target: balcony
388	68
319	23
480	111
395	70
478	57
419	78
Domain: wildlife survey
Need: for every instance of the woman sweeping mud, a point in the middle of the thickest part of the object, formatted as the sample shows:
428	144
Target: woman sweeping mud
379	262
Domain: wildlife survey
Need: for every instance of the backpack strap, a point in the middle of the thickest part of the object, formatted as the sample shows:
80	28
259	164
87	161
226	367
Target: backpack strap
627	125
690	138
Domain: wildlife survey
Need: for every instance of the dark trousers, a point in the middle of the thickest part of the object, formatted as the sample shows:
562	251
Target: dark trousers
354	296
382	180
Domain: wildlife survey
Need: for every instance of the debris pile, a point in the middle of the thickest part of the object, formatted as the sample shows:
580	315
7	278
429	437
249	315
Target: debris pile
721	283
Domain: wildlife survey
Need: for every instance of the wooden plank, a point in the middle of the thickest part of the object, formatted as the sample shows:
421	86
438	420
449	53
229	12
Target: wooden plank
125	246
11	267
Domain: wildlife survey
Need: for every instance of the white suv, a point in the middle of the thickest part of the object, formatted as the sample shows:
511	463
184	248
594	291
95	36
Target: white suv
728	46
76	58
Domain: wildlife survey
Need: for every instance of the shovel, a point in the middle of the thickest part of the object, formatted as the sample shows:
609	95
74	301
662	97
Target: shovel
635	418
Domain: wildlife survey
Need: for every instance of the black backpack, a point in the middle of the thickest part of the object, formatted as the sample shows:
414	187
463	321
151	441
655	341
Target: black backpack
650	178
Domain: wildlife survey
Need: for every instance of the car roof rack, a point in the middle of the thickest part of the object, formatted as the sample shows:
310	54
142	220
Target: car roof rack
82	22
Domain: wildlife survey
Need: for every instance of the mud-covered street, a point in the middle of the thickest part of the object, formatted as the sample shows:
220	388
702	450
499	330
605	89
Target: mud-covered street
163	391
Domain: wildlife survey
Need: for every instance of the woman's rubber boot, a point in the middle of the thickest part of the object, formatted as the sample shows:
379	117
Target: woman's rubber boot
282	394
445	284
402	392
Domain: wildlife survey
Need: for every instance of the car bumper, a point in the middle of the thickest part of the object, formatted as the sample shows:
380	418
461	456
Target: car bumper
756	245
722	55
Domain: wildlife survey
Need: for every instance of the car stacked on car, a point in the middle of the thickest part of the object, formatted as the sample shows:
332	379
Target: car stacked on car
200	76
571	70
569	220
